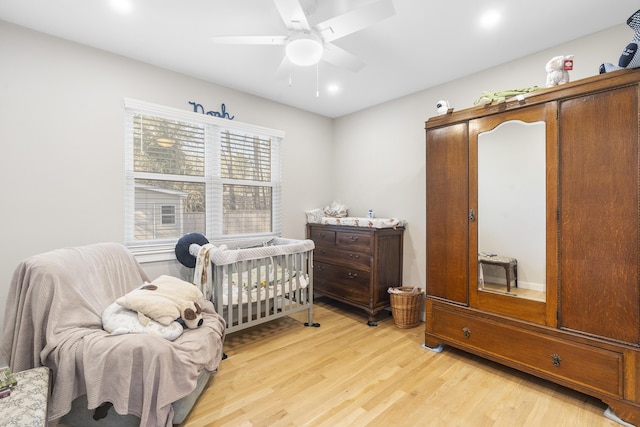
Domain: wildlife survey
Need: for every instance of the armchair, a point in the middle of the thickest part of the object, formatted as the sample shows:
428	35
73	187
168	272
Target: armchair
53	319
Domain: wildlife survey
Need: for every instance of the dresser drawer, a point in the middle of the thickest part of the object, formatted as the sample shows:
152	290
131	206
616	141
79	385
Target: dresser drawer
347	283
354	241
322	236
335	256
589	366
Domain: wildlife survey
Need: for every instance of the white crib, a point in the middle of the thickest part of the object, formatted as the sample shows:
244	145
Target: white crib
257	284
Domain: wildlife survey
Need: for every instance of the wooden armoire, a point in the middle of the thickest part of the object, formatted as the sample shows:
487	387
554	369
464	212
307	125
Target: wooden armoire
574	316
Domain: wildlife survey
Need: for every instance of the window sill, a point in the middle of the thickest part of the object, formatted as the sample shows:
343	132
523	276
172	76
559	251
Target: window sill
156	254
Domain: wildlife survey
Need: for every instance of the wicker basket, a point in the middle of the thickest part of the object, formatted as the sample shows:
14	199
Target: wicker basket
406	306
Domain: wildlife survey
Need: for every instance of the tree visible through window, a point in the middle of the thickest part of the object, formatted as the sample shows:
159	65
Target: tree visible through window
247	207
188	172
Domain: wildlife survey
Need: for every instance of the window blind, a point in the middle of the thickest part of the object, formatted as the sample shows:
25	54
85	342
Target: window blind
188	172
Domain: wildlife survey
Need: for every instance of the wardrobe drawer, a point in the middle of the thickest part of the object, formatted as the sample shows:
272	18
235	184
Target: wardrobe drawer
342	257
354	241
322	236
586	365
346	283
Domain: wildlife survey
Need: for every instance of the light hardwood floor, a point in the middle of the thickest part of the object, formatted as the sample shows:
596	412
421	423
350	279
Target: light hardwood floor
346	373
519	292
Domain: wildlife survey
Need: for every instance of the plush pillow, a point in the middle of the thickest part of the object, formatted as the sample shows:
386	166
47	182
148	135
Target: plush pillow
118	320
164	300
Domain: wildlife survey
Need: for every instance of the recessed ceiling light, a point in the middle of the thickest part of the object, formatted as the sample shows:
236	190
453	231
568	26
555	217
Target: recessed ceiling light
122	6
333	88
490	19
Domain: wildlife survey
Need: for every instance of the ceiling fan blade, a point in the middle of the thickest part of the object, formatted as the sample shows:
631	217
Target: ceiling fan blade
292	15
356	20
339	57
284	70
268	40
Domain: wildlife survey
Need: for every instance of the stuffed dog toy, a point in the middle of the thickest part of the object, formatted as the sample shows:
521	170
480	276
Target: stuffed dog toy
164	300
629	57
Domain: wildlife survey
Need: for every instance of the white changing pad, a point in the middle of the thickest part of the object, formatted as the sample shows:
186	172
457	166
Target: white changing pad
364	222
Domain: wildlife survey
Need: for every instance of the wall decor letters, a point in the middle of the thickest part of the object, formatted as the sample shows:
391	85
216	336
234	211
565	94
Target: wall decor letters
198	108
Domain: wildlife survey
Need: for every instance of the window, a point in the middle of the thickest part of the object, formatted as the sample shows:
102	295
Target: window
168	215
188	172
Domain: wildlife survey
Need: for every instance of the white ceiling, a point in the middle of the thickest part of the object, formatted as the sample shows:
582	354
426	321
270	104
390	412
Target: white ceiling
424	44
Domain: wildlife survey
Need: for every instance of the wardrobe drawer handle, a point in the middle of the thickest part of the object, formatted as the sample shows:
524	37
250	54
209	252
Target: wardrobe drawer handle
467	332
351	275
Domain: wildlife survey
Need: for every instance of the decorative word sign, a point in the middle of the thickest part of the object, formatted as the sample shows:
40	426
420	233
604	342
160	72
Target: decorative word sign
198	108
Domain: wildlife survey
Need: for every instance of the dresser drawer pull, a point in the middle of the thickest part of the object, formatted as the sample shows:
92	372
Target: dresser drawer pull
322	268
356	256
351	275
322	235
556	359
354	238
467	332
322	251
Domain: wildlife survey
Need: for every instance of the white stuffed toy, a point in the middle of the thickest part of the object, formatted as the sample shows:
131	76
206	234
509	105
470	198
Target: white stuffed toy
165	300
557	70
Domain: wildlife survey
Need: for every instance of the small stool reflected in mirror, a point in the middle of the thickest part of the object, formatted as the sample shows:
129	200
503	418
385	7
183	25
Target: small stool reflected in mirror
508	263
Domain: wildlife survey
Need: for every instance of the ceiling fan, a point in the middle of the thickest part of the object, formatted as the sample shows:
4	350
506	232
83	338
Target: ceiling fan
306	45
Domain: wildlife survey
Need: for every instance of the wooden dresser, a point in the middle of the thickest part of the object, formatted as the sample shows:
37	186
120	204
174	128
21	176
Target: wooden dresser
575	316
356	265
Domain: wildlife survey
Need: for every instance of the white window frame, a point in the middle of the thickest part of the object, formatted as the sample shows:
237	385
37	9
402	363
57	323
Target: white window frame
160	250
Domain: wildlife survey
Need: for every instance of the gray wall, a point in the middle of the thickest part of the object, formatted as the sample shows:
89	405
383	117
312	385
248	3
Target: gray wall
62	140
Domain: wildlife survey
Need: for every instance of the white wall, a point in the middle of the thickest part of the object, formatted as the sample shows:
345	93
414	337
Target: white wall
380	152
512	211
62	142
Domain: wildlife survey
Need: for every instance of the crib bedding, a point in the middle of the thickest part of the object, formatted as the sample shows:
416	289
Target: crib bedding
263	271
260	283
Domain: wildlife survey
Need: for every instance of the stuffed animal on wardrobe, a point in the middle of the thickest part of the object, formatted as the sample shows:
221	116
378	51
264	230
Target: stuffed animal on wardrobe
629	57
558	70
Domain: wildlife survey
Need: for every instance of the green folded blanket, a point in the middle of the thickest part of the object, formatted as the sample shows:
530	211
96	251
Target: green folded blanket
501	96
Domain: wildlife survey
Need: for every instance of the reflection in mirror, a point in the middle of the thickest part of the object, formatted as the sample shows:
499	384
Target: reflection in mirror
511	210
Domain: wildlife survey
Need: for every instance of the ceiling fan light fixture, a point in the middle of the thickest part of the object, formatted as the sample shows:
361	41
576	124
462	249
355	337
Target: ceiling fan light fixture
165	141
304	50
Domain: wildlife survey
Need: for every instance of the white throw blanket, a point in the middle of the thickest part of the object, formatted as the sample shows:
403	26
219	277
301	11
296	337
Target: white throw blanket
202	273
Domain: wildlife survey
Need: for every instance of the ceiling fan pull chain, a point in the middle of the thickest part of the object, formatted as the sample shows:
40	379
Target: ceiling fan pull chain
317	81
